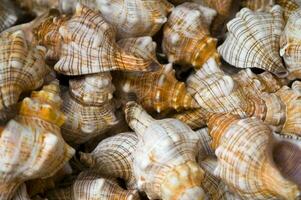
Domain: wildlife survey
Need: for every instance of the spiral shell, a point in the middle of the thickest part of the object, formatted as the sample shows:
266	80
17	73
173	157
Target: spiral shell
30	141
186	35
290	43
90	186
253	40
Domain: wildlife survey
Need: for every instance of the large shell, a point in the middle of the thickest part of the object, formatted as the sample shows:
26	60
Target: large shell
258	5
89	108
289	6
245	163
22	67
87	36
159	91
8	15
253	40
90	186
114	157
165	158
31	144
290	43
135	19
186	35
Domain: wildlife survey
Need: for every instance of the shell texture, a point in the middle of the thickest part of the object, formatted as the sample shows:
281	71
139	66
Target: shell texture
296	86
258	5
89	108
8	16
156	91
89	46
290	44
90	186
135	18
289	6
206	140
164	161
194	118
22	67
187	38
29	142
245	161
253	40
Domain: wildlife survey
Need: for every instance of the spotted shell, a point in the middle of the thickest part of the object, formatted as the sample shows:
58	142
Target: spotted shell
187	38
29	141
290	44
253	40
258	5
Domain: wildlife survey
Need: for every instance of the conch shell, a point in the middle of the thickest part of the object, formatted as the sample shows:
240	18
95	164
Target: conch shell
289	6
89	108
156	91
253	40
245	162
90	186
186	35
8	16
135	19
23	68
258	5
290	44
161	167
87	36
31	144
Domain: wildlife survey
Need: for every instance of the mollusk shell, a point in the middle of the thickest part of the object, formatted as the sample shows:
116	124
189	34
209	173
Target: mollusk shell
289	6
8	16
194	118
253	40
186	35
296	86
258	5
38	6
290	43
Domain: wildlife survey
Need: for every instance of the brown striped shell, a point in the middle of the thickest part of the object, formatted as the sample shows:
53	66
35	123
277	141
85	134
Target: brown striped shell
186	35
86	37
289	6
290	44
22	67
253	40
156	91
194	118
245	162
258	5
30	141
90	186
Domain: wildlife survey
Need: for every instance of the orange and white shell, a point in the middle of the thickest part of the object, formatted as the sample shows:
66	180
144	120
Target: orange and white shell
245	161
290	44
90	186
187	38
31	144
253	40
22	67
165	157
135	18
194	118
89	46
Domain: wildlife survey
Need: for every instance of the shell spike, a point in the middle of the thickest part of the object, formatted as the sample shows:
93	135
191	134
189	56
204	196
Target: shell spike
137	118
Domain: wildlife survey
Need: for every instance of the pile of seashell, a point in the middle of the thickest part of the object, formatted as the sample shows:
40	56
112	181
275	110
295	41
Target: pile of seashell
150	99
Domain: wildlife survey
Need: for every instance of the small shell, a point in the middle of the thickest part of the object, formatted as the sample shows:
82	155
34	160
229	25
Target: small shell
245	162
186	35
29	142
114	157
90	186
89	108
253	40
21	193
159	91
86	36
289	6
8	15
290	44
258	5
135	19
164	161
23	67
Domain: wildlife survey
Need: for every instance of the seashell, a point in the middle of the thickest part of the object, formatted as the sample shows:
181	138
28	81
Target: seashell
206	140
251	177
29	142
23	69
8	15
290	44
164	160
135	19
253	40
289	6
21	193
296	86
38	7
89	108
194	118
113	157
186	35
90	186
159	91
87	36
258	5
